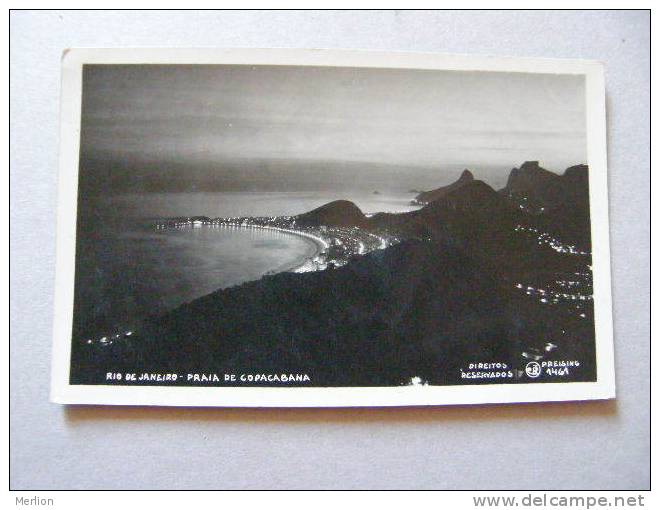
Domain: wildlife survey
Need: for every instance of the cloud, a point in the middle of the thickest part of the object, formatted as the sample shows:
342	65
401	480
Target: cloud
412	118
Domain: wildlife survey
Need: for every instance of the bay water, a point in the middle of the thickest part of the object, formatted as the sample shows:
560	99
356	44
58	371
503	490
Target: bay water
126	270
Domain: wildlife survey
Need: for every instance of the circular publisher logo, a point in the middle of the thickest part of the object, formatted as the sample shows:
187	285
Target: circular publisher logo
533	369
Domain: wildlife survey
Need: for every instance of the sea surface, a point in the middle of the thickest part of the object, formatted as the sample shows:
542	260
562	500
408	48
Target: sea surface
224	204
127	270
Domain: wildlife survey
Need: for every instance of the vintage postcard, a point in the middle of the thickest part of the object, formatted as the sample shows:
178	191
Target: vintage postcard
330	228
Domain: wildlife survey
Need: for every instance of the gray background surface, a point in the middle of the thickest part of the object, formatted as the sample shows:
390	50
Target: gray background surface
566	445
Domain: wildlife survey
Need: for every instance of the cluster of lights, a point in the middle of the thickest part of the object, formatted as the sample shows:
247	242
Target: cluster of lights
544	238
550	297
526	206
538	354
568	284
110	339
351	240
417	381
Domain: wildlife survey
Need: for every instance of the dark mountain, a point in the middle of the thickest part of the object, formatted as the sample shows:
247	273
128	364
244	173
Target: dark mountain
578	174
481	222
533	181
418	309
426	197
454	291
561	202
541	188
473	198
458	212
340	213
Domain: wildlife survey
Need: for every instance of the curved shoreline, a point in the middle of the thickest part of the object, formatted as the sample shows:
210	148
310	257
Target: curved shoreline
321	243
318	242
302	261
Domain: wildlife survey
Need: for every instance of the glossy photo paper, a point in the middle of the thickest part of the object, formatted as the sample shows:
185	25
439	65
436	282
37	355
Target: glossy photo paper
330	228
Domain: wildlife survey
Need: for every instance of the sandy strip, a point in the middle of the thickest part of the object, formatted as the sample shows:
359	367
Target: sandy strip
318	242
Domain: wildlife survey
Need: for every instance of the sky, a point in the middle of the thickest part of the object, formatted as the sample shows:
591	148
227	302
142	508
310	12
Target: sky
280	127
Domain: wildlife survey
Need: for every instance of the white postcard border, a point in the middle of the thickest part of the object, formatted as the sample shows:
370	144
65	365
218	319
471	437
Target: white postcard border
71	93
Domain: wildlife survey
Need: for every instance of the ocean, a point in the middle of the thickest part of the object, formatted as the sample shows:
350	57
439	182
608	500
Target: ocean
126	270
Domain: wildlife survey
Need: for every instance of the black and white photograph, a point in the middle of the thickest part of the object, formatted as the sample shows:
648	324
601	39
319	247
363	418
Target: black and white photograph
279	225
342	250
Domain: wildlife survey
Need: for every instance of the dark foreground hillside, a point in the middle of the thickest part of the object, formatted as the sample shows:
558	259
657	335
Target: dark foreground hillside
467	286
